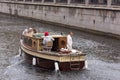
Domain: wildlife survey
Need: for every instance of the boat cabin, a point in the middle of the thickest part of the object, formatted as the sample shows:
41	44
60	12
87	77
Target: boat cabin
35	42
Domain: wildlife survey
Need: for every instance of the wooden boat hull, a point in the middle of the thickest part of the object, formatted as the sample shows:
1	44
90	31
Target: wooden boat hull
49	64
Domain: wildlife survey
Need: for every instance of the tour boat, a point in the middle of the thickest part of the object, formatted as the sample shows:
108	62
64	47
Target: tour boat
56	59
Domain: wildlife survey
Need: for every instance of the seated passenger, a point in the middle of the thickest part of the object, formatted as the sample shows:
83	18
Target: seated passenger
25	32
34	31
47	41
31	31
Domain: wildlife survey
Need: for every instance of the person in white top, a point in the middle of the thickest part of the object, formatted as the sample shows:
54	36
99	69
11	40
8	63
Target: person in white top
69	41
47	38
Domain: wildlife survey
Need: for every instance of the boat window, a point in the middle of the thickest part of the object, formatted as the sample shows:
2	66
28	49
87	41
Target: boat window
34	43
30	42
25	40
63	43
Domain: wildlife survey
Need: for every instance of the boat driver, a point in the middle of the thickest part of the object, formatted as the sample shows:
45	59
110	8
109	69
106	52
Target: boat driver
69	41
47	38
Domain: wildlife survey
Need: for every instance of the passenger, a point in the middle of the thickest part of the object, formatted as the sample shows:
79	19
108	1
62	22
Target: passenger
35	34
34	31
31	31
25	32
69	41
47	41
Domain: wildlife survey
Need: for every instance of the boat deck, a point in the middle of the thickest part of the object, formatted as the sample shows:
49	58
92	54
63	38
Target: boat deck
56	56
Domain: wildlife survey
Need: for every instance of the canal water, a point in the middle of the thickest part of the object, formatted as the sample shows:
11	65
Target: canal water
103	53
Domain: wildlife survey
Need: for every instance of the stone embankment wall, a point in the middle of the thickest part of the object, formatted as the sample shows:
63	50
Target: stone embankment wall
106	20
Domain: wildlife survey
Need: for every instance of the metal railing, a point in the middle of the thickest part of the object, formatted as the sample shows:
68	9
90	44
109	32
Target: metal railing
37	0
61	1
88	2
104	2
48	0
116	2
78	1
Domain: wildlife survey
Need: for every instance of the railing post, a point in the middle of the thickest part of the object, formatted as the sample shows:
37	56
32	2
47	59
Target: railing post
86	2
32	0
68	2
38	46
54	1
43	1
109	2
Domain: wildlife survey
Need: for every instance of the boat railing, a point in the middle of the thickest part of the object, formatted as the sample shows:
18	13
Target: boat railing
32	42
35	42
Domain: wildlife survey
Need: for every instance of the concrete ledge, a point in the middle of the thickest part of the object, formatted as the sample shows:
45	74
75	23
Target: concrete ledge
83	6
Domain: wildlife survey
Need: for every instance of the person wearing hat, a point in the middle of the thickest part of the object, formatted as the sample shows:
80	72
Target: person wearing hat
47	39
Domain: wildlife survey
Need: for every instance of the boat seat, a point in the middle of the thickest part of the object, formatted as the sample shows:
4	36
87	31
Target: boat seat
48	46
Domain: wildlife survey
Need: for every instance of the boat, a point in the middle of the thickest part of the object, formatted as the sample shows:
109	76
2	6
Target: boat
55	59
